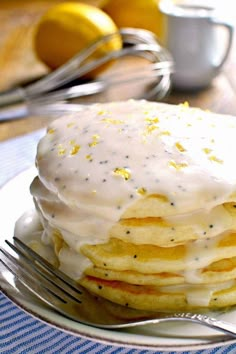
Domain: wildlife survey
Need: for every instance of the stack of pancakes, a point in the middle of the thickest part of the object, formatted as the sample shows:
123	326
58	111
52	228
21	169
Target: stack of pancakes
138	200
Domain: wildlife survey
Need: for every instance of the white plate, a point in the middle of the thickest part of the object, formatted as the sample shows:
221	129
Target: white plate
14	200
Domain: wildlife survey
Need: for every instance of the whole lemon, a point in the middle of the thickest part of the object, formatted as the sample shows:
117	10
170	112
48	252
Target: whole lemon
69	27
136	13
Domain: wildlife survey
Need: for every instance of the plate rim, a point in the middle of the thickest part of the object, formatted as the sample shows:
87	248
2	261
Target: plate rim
103	336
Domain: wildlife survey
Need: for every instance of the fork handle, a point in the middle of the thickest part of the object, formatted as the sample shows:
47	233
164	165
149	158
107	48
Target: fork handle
226	327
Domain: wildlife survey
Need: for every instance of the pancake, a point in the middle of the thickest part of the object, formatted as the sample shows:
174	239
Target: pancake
138	201
216	272
120	255
176	229
163	299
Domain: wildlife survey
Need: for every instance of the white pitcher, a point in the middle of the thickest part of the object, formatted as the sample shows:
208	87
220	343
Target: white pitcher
191	33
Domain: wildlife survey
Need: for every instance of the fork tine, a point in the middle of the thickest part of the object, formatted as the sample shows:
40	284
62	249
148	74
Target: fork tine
55	285
40	287
23	269
87	310
43	262
26	278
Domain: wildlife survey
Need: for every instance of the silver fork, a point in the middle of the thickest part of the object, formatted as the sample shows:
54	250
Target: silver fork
64	295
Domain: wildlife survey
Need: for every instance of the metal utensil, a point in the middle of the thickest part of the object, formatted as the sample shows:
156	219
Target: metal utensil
20	101
65	296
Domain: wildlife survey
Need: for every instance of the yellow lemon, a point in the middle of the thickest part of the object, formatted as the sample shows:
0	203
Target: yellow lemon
68	28
136	13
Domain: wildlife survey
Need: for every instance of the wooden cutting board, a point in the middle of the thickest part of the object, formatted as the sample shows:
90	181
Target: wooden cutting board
18	63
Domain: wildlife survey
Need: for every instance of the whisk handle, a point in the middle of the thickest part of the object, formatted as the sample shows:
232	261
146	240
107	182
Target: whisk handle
13	104
11	97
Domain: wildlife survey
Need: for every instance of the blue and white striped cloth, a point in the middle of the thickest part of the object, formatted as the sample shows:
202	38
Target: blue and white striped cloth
20	333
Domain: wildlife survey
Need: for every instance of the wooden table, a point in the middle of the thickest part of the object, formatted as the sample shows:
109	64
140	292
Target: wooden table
18	65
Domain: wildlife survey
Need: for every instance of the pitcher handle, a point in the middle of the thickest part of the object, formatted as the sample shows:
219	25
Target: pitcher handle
230	28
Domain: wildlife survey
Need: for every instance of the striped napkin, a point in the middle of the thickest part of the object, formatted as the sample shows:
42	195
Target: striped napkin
20	333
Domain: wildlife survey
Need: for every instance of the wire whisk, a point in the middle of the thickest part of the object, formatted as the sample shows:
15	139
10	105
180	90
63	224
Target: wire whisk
23	101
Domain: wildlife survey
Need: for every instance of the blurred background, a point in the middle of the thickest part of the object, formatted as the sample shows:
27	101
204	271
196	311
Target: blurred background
20	63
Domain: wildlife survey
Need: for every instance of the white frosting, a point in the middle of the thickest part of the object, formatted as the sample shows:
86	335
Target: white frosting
27	225
98	161
195	295
28	228
78	158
